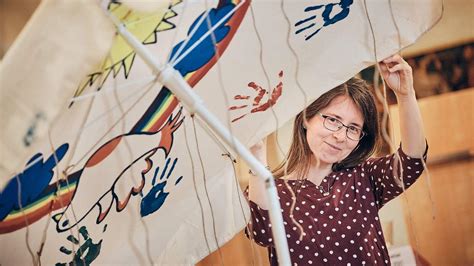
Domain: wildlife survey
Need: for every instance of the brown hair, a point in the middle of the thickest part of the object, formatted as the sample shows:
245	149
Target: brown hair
299	157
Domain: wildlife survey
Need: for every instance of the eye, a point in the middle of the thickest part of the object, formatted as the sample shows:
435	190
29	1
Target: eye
332	120
354	130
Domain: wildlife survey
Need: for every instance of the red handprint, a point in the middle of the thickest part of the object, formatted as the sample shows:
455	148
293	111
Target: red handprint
261	92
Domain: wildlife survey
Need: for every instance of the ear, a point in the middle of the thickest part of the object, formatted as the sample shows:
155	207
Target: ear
305	124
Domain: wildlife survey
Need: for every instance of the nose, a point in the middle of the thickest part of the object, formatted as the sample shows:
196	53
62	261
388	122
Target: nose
340	135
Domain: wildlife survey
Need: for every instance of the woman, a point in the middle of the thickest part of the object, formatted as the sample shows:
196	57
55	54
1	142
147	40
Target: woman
338	189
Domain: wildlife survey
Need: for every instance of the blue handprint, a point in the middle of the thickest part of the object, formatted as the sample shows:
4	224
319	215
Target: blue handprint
308	24
86	253
156	197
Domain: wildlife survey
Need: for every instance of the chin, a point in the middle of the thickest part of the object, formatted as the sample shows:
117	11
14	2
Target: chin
328	160
334	157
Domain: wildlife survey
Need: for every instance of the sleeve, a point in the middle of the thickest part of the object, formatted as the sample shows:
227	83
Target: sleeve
386	174
259	227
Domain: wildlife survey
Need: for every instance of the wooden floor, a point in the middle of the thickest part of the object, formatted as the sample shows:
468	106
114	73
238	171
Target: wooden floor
239	251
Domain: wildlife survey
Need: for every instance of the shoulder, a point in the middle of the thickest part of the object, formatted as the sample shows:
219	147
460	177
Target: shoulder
376	163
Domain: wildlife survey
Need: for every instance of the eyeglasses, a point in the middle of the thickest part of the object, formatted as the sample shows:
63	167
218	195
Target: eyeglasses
333	124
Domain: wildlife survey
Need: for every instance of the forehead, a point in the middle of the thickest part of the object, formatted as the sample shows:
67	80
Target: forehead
344	108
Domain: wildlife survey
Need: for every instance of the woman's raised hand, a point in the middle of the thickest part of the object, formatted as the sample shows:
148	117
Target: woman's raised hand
398	75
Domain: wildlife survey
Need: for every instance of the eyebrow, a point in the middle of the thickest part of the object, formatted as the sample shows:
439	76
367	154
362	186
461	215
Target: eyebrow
340	118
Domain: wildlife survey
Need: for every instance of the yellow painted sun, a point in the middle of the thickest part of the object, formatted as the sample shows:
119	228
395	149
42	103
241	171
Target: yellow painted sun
144	26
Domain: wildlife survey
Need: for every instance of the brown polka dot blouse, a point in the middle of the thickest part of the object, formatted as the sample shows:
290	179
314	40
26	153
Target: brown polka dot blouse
339	217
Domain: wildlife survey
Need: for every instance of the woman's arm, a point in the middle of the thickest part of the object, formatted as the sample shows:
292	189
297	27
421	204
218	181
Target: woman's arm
399	77
256	184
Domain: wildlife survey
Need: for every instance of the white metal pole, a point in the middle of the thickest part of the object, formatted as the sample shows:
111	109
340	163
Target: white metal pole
173	80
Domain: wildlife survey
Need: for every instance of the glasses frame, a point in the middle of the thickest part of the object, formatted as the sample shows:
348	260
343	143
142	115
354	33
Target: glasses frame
342	125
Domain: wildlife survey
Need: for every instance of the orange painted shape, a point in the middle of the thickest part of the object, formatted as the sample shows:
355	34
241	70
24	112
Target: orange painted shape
103	152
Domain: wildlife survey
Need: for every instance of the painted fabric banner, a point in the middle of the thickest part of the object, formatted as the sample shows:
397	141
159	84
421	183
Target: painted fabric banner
42	68
126	175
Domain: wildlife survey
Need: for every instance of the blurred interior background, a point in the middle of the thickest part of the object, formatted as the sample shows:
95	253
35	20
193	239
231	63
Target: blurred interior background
435	218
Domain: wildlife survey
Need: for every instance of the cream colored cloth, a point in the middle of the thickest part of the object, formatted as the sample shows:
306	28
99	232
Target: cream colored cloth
61	43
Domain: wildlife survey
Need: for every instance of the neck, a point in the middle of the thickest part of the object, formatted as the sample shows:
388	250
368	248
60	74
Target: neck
317	172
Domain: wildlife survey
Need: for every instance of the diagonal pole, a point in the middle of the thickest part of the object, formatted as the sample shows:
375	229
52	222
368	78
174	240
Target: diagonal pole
173	80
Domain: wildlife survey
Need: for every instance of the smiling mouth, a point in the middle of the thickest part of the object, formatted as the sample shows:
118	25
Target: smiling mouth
332	146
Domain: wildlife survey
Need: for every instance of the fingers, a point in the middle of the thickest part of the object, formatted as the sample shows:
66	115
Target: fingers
397	73
394	63
383	67
396	58
384	70
396	68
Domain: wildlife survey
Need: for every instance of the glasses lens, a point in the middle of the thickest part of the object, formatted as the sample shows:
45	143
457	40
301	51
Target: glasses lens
354	133
332	123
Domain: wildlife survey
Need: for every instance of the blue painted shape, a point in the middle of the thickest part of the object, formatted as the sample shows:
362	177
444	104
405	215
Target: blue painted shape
326	15
31	132
86	253
203	52
156	197
178	180
328	20
30	183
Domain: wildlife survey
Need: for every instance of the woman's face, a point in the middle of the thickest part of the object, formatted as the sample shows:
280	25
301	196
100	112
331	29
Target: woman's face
333	146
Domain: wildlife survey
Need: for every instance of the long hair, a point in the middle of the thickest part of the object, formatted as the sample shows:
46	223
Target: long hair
299	156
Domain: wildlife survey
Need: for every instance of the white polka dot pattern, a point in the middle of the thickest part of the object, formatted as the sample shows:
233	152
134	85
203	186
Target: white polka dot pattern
342	228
